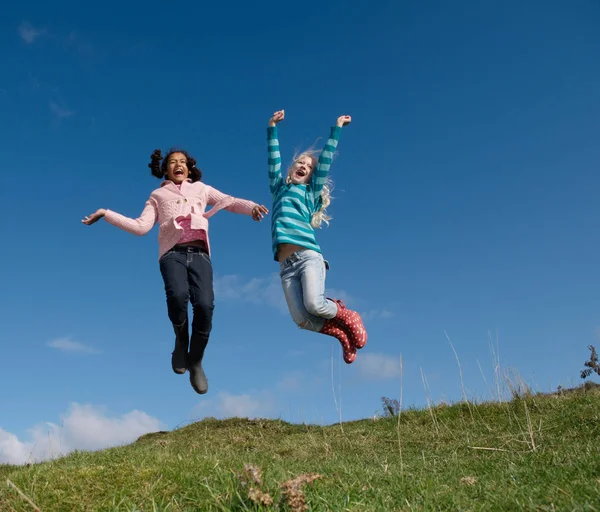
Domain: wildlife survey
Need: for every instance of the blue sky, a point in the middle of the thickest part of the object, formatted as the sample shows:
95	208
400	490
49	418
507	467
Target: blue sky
466	205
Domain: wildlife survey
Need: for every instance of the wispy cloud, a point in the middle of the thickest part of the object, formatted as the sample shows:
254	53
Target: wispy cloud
377	314
261	290
73	41
337	293
247	405
256	290
34	82
81	45
60	112
293	381
377	366
84	427
67	345
28	33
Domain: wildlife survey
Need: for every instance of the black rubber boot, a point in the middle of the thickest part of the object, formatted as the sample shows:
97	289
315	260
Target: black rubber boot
198	378
197	375
179	356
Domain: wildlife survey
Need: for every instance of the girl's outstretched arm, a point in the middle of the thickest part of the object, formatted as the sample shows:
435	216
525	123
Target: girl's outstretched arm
236	205
274	154
139	226
319	175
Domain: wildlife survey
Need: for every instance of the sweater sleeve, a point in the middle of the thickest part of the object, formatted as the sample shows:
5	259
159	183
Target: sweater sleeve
319	176
242	206
140	226
274	159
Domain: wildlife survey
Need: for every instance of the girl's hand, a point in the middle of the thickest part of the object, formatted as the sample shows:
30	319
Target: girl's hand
277	116
258	212
94	217
343	121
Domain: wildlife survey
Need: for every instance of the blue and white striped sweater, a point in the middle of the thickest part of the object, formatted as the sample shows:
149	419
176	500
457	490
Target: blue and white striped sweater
294	205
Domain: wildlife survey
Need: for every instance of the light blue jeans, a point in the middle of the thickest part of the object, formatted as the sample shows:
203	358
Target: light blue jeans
303	279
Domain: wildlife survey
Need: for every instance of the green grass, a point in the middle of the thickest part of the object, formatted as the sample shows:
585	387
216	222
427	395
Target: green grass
536	452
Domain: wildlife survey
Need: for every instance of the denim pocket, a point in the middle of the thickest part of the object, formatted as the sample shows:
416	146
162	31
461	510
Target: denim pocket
205	256
164	256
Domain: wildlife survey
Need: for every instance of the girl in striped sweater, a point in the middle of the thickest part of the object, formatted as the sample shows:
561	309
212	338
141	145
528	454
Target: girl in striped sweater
178	207
299	202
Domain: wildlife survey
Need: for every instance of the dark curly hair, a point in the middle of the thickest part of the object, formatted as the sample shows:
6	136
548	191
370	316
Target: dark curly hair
159	169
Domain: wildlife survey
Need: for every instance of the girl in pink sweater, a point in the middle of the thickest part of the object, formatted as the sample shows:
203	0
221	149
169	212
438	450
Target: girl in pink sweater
178	206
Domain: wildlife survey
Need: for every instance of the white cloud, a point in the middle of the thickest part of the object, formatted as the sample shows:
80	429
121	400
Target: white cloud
60	112
29	33
226	405
84	427
66	345
377	366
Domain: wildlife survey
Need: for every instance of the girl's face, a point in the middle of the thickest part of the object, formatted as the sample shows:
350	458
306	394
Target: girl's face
301	170
177	169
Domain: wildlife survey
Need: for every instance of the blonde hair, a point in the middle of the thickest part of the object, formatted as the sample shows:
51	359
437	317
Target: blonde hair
321	215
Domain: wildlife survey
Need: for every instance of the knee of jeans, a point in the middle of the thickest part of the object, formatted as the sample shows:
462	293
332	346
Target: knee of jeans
300	320
316	307
203	311
177	299
177	307
203	304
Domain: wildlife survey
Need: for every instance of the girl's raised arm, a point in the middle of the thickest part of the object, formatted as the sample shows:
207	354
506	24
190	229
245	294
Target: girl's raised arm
275	179
319	176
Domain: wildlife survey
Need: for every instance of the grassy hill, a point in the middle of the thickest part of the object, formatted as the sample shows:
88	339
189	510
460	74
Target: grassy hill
537	452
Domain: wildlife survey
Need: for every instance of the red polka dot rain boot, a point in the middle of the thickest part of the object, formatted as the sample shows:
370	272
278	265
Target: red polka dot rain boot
332	329
351	322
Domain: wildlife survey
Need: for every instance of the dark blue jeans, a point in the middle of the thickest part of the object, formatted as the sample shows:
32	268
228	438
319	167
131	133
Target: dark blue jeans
188	276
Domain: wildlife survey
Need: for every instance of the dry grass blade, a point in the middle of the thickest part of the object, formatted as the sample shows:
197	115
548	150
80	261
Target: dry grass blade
398	424
462	385
429	408
487	448
529	427
23	495
338	409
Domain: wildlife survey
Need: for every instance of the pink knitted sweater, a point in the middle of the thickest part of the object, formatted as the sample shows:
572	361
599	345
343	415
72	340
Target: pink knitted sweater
170	202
